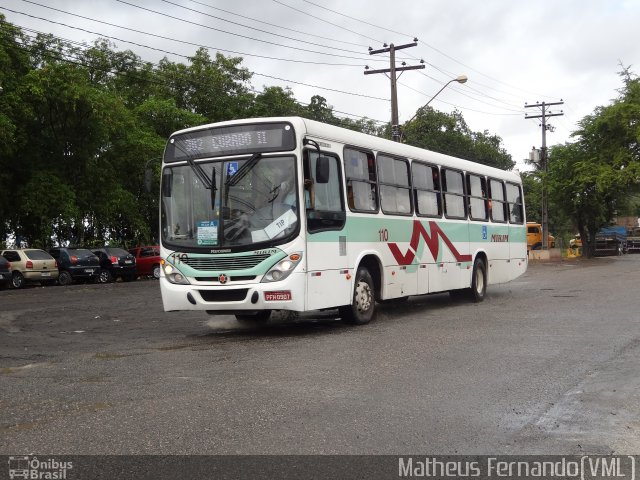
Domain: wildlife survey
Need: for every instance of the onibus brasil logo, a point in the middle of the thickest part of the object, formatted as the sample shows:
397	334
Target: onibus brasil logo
33	468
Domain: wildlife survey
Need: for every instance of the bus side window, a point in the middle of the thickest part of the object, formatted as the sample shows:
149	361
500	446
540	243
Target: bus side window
514	199
454	195
393	182
497	205
426	185
477	188
360	172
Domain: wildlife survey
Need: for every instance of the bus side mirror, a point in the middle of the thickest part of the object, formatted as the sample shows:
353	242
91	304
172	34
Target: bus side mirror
322	170
167	181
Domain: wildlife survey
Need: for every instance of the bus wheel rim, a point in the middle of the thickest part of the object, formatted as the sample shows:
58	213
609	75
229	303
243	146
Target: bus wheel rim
479	281
363	297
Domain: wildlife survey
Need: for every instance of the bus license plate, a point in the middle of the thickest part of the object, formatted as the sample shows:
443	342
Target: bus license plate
279	296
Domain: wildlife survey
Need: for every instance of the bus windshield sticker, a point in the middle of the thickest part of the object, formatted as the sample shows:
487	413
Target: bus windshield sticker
208	232
275	228
232	168
281	223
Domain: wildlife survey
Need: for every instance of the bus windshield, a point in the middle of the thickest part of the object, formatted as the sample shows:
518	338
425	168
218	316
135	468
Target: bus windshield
241	203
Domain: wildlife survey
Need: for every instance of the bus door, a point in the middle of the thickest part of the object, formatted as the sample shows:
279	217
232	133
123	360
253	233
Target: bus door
328	274
449	271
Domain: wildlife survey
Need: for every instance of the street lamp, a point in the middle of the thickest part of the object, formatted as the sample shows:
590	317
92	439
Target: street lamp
459	79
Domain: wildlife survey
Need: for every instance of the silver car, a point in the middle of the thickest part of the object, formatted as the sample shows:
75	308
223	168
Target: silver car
31	265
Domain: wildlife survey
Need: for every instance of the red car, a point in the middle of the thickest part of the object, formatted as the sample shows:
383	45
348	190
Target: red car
147	260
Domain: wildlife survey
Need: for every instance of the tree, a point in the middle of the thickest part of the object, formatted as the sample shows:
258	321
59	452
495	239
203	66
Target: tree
275	102
319	110
14	65
450	134
594	178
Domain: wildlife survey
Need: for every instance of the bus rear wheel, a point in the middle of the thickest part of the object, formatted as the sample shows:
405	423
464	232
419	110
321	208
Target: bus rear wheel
478	289
363	305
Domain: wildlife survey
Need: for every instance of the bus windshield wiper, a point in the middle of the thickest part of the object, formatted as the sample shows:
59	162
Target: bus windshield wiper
243	170
200	173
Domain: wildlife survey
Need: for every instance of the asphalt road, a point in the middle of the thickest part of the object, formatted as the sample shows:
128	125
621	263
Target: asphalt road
547	364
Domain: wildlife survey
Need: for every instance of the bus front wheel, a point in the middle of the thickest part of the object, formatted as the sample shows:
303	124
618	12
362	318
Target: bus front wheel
363	305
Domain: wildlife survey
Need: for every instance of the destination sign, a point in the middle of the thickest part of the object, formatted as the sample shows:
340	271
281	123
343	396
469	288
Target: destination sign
235	140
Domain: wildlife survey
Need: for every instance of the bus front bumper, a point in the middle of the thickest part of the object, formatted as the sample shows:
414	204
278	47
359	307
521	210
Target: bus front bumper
287	294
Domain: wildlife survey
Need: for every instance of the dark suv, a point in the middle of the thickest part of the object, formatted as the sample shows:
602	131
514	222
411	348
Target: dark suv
115	262
77	264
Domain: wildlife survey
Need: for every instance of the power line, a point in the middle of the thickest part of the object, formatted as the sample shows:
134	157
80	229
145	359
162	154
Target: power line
275	25
234	34
252	28
458	106
307	14
459	91
186	56
156	65
155	35
420	41
187	21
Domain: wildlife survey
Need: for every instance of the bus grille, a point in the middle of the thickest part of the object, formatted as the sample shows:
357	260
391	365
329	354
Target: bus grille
225	263
230	295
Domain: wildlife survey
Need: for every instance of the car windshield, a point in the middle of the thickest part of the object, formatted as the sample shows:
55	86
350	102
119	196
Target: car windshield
251	201
38	255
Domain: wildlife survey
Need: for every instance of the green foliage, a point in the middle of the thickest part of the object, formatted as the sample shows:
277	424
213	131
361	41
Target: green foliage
450	134
275	102
593	179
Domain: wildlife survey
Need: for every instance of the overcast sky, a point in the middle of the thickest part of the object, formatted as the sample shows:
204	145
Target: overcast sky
512	51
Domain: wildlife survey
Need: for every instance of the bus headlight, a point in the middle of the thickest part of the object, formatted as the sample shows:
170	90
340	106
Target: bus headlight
283	268
173	275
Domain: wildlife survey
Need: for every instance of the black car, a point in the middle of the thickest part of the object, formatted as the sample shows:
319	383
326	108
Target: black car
115	262
76	264
5	272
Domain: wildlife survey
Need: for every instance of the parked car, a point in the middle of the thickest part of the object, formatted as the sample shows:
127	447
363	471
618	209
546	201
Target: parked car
76	264
31	264
115	262
147	260
5	272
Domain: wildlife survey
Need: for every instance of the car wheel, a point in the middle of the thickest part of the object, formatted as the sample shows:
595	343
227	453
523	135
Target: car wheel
156	272
65	278
259	319
363	306
17	280
105	276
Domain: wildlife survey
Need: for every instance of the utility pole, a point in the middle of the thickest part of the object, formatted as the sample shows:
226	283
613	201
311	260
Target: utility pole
395	127
545	113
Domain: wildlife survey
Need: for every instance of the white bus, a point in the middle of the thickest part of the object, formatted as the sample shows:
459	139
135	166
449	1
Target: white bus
292	214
